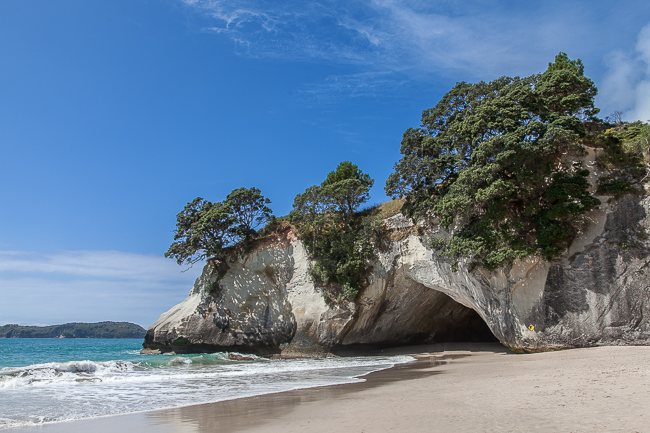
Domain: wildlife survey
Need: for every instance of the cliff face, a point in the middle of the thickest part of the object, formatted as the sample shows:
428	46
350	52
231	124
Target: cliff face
266	302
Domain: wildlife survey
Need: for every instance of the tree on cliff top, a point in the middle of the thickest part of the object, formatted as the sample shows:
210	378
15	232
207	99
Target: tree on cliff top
249	209
338	197
204	229
335	235
494	155
347	188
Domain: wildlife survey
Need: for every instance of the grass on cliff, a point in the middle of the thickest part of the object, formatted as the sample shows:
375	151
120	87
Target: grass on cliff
625	155
390	208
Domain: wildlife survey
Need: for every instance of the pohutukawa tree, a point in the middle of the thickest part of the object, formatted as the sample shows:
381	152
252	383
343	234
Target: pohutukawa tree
497	157
249	210
204	229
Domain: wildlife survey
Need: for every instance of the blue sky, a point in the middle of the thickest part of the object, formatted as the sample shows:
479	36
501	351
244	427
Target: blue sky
113	115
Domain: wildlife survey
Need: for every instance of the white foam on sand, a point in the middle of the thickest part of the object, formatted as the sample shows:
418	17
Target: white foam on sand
53	392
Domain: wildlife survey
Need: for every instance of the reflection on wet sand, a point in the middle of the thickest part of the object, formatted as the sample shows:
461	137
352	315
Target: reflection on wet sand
240	414
237	415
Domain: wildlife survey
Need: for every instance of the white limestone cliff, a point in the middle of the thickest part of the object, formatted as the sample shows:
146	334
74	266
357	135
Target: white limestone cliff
265	301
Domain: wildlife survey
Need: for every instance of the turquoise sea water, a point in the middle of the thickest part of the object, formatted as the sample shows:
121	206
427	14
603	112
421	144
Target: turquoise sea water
18	352
53	380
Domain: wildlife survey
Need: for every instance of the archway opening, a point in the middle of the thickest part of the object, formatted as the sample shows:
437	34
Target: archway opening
410	313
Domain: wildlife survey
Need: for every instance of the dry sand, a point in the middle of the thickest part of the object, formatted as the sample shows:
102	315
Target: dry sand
452	388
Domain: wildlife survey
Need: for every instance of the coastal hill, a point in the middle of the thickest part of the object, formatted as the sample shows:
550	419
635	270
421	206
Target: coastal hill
75	330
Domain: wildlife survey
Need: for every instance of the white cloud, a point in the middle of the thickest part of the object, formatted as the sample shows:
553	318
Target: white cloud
627	85
89	286
102	264
403	37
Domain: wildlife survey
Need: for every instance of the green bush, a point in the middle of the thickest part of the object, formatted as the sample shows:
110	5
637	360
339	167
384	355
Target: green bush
615	187
340	239
624	145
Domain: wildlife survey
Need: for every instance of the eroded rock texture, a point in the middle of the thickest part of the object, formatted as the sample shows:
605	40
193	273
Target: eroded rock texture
265	301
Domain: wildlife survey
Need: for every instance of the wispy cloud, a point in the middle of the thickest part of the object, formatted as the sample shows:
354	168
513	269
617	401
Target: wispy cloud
353	85
98	264
89	286
627	85
395	39
295	30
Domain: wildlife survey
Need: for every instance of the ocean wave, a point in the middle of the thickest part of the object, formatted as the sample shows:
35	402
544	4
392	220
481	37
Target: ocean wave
85	371
52	392
7	423
220	358
57	372
173	369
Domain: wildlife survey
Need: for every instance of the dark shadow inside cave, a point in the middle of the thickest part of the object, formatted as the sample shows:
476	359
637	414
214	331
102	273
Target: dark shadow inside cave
430	317
468	327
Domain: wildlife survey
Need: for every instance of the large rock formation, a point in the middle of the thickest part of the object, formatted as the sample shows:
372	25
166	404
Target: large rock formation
265	302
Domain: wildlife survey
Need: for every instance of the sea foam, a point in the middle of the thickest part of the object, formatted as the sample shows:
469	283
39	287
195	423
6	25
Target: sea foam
59	391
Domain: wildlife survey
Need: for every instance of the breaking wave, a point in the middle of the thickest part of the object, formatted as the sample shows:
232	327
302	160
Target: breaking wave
59	391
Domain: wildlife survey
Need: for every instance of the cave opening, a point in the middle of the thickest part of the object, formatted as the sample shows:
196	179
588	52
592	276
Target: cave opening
443	320
427	316
460	325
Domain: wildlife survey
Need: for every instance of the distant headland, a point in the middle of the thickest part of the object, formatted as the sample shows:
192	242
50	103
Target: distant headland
75	330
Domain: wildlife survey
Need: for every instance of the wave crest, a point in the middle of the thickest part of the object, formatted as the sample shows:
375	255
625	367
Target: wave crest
57	372
96	371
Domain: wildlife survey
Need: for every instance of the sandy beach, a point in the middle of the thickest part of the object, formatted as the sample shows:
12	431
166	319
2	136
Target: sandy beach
450	388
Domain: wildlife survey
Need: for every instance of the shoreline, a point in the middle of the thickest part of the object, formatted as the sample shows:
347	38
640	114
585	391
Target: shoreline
450	387
258	403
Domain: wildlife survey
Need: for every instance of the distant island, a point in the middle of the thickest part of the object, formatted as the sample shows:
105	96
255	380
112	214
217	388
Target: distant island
75	330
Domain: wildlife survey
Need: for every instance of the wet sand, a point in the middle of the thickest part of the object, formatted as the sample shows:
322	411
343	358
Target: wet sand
451	388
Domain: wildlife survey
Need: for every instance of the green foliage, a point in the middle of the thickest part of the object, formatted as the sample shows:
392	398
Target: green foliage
391	208
342	254
564	91
336	235
625	155
310	214
491	155
204	229
624	145
635	137
346	188
615	187
249	210
75	330
274	225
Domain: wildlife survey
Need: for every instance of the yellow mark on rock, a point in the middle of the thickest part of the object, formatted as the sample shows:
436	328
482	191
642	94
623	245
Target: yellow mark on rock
531	327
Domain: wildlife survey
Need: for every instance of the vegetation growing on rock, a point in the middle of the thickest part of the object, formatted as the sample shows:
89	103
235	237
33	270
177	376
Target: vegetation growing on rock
337	236
497	157
204	229
500	160
625	155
